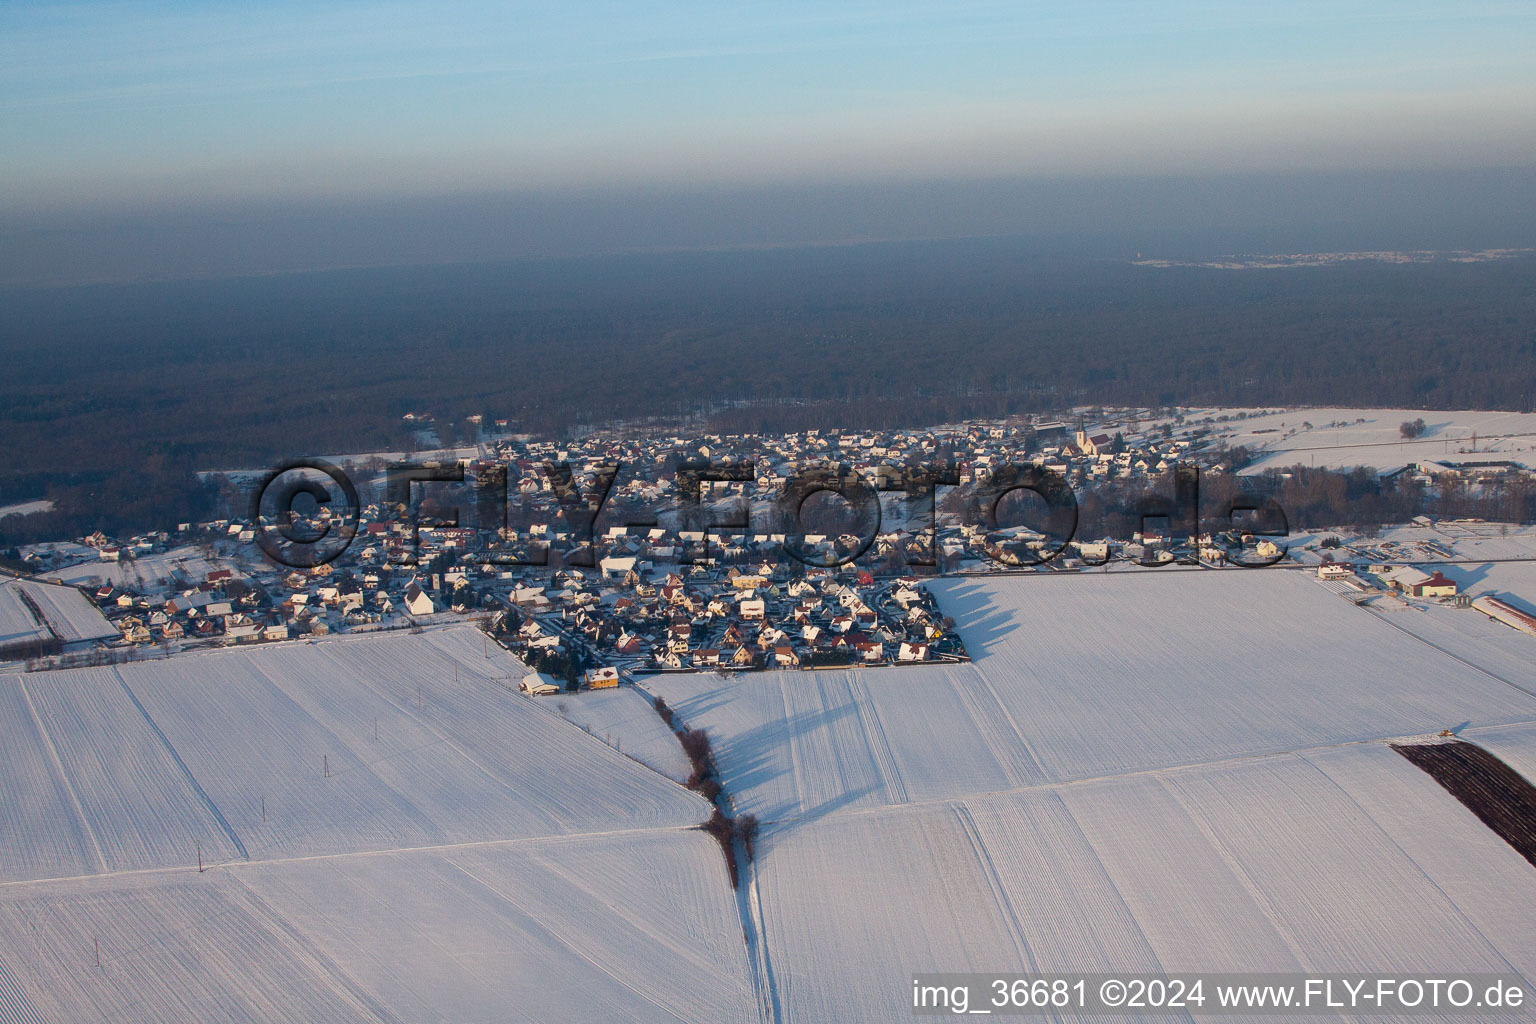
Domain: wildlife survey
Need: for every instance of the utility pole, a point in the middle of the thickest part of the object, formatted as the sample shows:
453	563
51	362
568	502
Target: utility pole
98	952
325	761
199	856
263	810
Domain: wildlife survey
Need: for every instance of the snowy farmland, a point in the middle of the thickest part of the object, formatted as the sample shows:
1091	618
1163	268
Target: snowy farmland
304	750
185	564
640	925
1085	676
1338	439
1154	772
1515	745
26	508
70	614
1137	773
390	833
17	623
626	721
1346	858
32	612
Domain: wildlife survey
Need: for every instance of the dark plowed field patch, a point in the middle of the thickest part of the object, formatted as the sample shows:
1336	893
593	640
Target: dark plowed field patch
1490	789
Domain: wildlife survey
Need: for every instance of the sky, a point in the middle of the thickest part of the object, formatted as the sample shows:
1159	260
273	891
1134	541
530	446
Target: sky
123	117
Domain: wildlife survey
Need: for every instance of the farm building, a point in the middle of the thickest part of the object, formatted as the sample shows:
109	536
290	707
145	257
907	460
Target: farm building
1435	586
1417	582
1506	613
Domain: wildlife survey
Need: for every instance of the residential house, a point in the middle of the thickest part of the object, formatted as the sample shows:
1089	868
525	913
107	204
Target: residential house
604	678
417	601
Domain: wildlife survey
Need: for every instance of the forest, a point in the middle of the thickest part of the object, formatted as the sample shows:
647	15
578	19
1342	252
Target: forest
114	396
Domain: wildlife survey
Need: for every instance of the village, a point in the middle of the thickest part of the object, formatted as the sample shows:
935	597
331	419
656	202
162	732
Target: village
591	591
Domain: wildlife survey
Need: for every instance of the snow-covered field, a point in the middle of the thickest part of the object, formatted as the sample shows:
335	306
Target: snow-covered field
1377	441
1139	772
1084	676
17	623
145	760
640	925
1468	634
1347	858
1514	744
26	508
626	721
188	563
70	613
471	855
71	616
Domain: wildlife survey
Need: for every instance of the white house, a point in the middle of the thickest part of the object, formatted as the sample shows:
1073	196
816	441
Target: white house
616	567
1093	550
537	685
417	601
240	627
529	596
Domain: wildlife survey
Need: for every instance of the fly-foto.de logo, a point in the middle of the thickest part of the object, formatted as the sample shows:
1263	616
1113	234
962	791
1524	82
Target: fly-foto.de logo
308	512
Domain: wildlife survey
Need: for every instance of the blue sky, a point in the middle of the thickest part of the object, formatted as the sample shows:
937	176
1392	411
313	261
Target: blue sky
128	104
